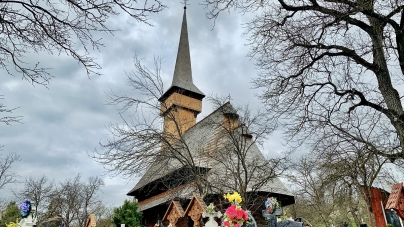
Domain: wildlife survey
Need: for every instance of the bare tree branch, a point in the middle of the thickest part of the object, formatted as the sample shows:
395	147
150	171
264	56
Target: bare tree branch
8	120
59	26
6	175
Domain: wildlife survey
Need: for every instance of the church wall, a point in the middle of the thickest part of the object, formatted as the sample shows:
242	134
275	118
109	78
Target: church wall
183	118
151	216
230	124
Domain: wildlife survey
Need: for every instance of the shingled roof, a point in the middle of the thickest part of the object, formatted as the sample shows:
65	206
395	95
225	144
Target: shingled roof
200	133
204	137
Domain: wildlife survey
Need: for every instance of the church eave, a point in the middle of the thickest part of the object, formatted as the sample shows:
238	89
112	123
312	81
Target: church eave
178	106
172	89
161	182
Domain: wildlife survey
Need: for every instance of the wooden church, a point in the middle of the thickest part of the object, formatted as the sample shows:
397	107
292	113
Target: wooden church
208	158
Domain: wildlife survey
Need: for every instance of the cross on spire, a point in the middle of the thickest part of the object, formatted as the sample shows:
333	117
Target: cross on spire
185	4
229	98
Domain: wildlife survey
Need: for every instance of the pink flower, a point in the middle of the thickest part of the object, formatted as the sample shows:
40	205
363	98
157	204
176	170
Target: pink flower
231	212
270	209
234	216
240	214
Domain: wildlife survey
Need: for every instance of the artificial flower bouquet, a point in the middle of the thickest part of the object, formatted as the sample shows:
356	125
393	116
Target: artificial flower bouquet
234	216
271	205
25	208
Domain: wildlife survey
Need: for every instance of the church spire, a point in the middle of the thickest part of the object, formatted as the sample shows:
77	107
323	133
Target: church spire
182	102
182	80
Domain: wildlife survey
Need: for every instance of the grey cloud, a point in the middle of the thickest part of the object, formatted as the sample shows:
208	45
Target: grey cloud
61	124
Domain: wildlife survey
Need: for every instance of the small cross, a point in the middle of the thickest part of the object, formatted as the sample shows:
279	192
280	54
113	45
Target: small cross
229	97
185	3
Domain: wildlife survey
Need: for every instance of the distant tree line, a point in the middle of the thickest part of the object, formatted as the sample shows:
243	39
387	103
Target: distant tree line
69	202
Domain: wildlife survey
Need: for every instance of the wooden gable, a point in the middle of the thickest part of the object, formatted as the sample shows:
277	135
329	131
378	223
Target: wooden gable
396	200
195	209
175	214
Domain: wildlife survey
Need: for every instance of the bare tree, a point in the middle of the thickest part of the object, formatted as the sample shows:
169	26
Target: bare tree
356	171
6	175
104	216
329	191
39	192
334	64
331	69
89	197
59	26
73	200
140	142
6	160
336	178
316	200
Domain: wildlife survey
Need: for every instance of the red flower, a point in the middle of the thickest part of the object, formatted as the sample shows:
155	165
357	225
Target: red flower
240	214
245	216
226	223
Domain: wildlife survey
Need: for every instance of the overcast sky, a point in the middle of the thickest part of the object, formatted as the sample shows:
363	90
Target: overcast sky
66	120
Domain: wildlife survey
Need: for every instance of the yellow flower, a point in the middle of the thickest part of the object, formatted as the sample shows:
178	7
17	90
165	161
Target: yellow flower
235	197
12	224
227	196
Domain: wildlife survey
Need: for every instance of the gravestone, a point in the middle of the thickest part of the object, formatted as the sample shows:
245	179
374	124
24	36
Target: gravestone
211	222
393	218
30	220
195	209
271	218
175	215
28	214
273	223
289	223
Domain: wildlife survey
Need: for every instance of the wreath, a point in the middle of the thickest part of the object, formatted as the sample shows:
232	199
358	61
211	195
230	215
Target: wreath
271	205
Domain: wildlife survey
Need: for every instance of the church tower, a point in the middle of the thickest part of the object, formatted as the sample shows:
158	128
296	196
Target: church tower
182	102
169	178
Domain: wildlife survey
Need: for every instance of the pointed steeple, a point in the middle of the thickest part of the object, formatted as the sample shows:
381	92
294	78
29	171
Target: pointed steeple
182	102
182	80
